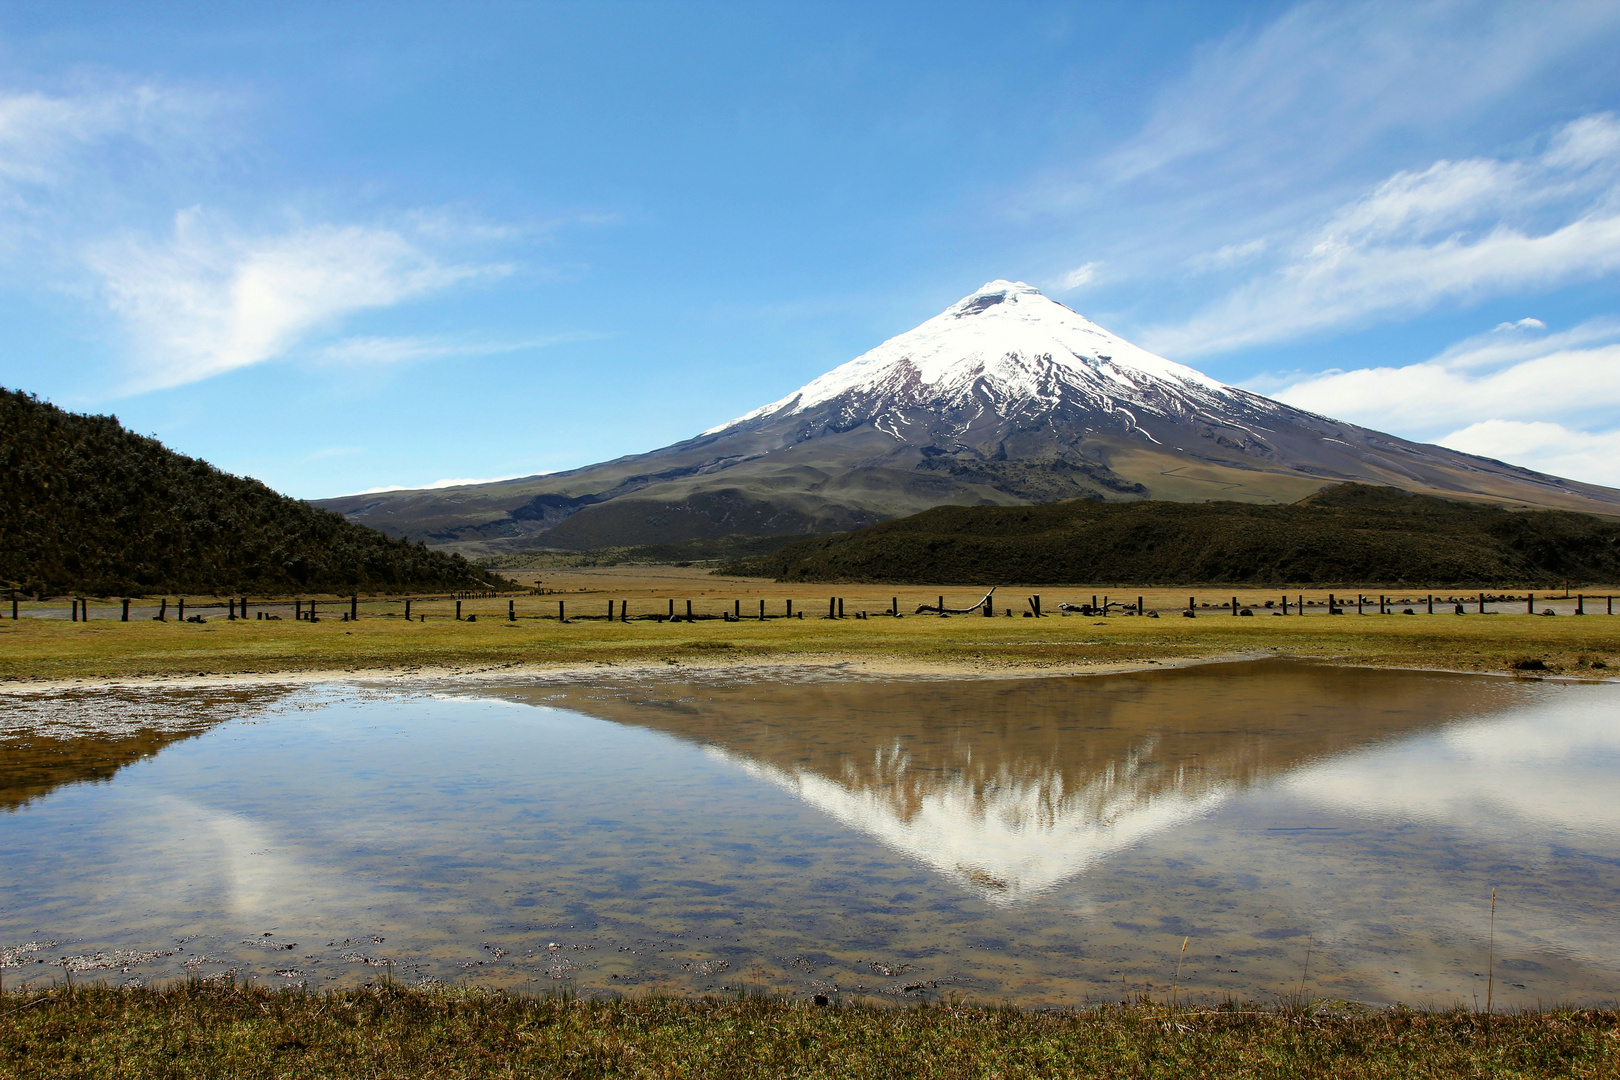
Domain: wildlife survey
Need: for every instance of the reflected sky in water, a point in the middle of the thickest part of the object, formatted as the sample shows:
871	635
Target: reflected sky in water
1036	840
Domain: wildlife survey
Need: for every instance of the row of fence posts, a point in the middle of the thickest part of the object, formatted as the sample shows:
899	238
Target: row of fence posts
304	610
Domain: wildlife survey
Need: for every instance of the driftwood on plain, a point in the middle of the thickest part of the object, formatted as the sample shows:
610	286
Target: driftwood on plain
941	609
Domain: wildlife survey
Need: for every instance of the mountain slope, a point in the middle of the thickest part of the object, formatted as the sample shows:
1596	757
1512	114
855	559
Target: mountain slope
1005	398
94	508
1349	533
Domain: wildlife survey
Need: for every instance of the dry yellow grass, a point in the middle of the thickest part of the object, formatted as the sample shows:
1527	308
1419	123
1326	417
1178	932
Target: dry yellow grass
35	649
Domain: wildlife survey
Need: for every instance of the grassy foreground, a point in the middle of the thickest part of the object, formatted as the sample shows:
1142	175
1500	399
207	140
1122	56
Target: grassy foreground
199	1031
34	649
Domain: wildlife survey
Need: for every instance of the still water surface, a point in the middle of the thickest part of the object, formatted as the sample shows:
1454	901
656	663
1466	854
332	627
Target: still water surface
1041	841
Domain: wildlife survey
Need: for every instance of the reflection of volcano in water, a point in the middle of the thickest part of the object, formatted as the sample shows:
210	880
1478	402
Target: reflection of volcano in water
1013	786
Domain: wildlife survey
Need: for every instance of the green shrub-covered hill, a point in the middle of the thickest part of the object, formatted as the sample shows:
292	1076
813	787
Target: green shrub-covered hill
86	506
1349	533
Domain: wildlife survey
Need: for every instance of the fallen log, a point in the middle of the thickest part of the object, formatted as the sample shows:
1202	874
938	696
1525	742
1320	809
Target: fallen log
941	609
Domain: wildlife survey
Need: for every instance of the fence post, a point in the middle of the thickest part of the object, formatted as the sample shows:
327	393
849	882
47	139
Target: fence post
894	605
989	612
562	612
762	609
1482	603
942	605
1234	605
689	611
1580	604
624	611
13	605
736	609
298	611
1431	603
1530	604
125	616
511	610
672	608
832	606
162	616
407	610
458	611
180	603
1140	610
1038	604
790	609
354	608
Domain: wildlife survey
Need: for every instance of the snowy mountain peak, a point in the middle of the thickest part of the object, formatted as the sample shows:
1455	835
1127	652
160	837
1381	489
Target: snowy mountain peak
1008	339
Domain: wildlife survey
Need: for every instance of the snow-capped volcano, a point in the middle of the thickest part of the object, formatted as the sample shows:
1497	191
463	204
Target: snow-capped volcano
1007	340
1006	397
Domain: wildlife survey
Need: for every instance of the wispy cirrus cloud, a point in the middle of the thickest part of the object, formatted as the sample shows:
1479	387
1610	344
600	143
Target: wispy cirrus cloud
209	298
404	350
1454	231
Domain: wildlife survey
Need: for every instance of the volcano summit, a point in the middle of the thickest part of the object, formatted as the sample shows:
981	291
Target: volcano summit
1007	397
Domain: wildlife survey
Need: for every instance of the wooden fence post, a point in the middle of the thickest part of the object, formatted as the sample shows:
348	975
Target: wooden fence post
1038	604
762	609
1234	605
1530	604
790	609
407	610
562	612
832	606
689	611
1140	610
180	603
124	617
354	608
1482	603
162	616
672	609
1431	603
1580	603
458	611
894	605
840	607
511	610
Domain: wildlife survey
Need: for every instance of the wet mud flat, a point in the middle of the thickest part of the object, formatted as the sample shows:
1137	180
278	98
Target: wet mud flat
1302	829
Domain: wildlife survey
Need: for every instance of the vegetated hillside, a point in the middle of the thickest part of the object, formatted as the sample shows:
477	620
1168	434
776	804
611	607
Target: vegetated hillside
1351	533
90	507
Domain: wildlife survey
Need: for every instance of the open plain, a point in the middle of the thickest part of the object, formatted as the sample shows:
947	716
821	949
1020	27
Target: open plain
1506	640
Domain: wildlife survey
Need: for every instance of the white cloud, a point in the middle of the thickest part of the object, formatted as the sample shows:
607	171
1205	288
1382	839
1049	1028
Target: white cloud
1545	446
1079	276
42	134
397	350
1455	231
1516	393
1227	256
460	481
209	299
1494	376
1257	103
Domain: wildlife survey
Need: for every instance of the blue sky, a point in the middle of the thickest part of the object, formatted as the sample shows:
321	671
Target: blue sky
342	246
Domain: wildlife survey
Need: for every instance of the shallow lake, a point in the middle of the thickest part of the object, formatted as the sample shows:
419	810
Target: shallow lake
1303	829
